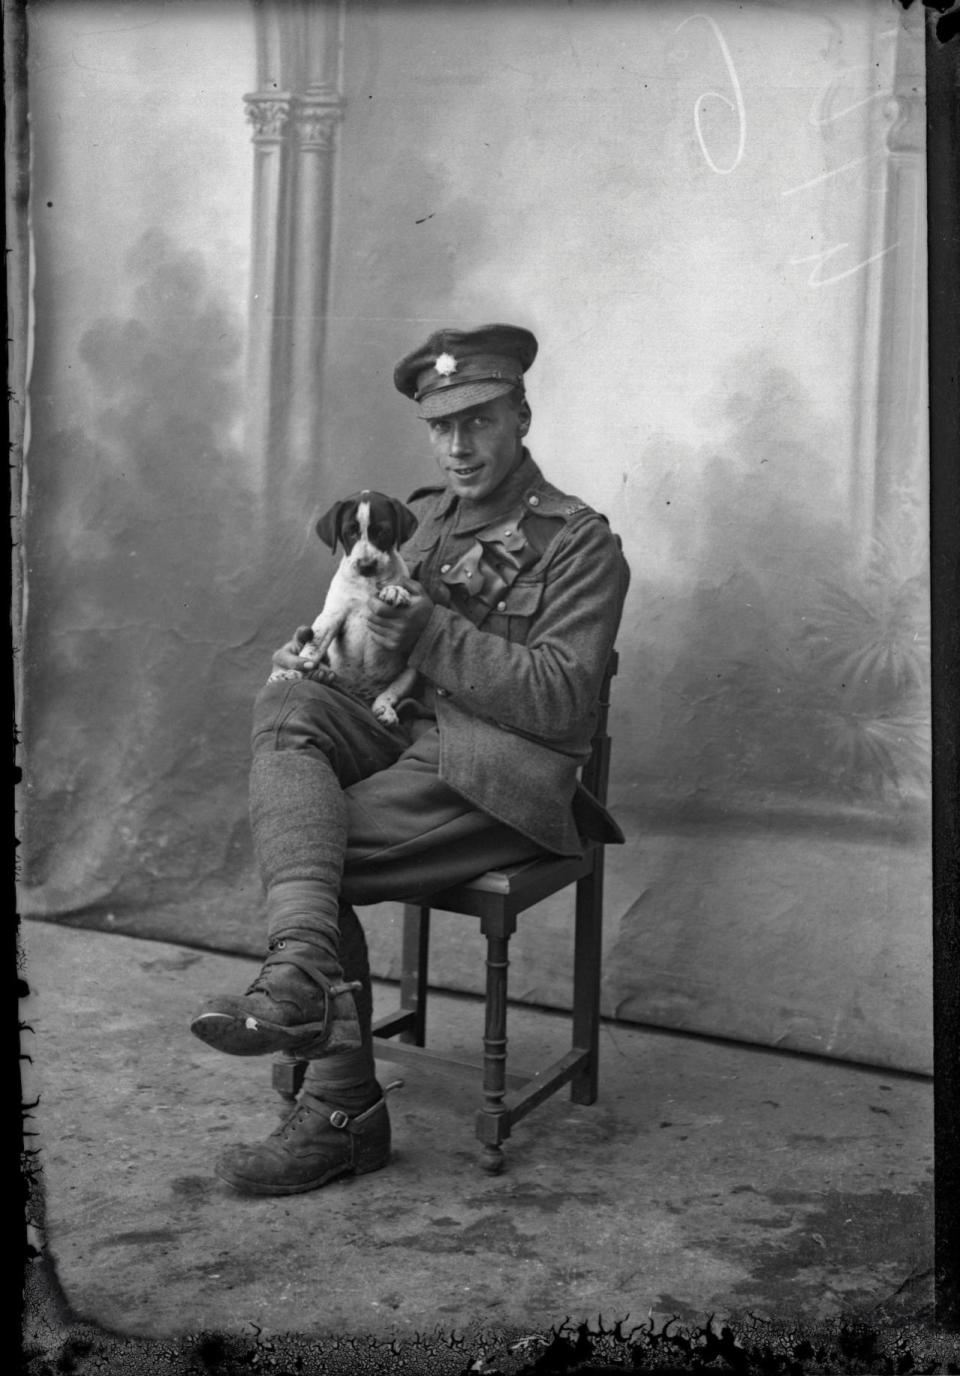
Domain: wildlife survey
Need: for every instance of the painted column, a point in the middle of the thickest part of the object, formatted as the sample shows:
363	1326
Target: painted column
890	477
294	113
900	484
270	117
317	111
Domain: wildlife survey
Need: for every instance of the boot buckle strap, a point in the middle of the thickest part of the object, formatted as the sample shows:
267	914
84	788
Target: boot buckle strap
341	1120
367	1113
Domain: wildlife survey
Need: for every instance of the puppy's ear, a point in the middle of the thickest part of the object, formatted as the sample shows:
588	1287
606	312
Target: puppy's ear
406	521
328	526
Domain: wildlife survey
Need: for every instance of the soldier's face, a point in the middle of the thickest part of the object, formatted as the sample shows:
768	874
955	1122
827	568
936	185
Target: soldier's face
477	448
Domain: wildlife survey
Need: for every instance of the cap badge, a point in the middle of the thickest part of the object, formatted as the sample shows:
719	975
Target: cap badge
446	365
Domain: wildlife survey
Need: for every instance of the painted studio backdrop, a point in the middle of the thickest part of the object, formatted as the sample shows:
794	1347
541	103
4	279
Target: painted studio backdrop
713	217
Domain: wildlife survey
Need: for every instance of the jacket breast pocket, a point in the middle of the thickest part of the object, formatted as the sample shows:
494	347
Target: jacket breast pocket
513	614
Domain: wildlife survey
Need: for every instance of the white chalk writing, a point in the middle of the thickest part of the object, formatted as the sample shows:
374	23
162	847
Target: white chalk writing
816	280
830	172
820	120
735	104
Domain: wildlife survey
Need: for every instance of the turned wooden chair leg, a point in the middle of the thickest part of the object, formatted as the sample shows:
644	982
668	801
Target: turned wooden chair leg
587	957
493	1122
414	970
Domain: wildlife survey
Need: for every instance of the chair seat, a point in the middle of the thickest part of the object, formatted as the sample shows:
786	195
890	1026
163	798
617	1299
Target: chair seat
518	886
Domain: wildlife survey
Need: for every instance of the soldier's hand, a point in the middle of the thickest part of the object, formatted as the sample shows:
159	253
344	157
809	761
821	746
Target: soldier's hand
288	657
397	626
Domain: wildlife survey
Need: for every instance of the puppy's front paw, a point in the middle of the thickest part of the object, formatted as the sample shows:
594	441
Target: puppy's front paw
279	675
394	596
383	710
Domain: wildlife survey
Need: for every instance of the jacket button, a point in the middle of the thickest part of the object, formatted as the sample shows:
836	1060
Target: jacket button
533	499
444	568
501	606
442	693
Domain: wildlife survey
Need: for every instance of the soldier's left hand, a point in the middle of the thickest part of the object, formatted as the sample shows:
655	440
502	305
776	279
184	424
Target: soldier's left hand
397	627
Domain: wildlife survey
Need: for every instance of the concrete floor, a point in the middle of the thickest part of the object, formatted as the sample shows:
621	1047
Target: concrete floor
708	1179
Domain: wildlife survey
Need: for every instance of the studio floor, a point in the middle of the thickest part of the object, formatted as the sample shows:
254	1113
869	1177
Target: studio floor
710	1179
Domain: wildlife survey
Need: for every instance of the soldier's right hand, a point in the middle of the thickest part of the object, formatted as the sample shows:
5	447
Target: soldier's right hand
288	657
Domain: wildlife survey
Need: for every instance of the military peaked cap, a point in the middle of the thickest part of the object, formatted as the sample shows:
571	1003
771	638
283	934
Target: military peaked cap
456	369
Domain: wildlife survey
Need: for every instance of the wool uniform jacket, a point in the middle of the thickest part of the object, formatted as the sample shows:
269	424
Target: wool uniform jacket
528	589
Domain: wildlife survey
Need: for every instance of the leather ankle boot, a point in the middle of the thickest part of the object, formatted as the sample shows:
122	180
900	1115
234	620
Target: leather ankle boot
314	1144
292	1005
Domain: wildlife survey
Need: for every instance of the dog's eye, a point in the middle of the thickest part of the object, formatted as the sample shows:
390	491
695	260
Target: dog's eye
351	530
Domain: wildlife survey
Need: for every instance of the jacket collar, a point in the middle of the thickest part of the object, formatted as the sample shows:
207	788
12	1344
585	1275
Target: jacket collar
471	516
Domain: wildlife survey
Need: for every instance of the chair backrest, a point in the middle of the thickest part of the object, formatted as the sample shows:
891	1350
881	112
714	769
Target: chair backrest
596	771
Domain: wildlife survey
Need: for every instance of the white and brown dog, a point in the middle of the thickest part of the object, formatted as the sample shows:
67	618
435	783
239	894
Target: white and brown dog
371	528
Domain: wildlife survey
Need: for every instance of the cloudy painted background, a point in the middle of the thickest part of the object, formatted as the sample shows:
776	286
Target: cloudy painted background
710	220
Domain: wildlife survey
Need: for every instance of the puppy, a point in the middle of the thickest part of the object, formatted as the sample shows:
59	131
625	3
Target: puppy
371	528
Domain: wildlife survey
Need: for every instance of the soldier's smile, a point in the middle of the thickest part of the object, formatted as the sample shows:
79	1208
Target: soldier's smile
477	448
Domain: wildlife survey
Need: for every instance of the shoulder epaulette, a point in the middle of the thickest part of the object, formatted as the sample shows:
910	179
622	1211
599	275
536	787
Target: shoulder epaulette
550	501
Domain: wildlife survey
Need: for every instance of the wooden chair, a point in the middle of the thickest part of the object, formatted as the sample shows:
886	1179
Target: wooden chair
497	898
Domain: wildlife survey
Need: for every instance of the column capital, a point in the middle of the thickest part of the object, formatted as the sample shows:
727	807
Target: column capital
269	113
315	116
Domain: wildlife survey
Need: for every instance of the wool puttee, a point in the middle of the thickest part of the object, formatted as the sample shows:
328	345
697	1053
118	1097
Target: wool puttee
298	819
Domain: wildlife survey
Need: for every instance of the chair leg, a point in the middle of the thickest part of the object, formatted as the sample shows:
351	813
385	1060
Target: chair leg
587	959
414	969
493	1120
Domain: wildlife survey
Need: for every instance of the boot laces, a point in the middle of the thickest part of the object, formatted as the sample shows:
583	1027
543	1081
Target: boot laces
261	985
301	1111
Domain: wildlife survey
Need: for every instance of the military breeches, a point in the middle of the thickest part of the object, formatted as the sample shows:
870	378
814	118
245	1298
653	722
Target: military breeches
408	832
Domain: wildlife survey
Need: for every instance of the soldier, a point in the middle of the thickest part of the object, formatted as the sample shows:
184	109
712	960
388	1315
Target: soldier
516	596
